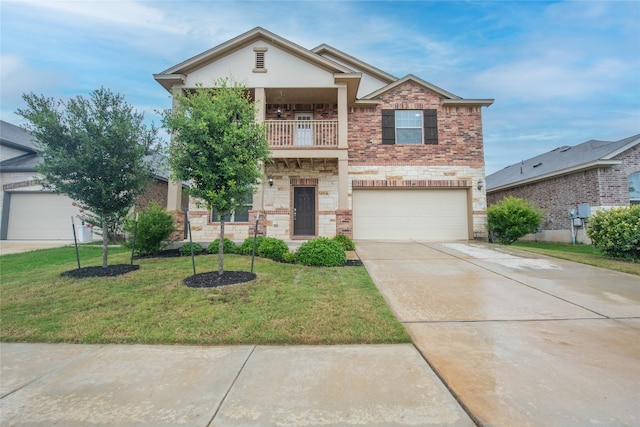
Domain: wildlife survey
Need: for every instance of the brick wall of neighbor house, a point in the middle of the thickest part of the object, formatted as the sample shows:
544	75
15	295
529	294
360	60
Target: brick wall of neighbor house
556	196
614	181
459	132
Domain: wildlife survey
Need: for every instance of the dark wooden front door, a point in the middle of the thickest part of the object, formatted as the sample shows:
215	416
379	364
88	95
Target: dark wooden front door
304	211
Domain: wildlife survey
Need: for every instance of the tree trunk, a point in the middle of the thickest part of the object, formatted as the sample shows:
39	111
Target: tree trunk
221	249
105	243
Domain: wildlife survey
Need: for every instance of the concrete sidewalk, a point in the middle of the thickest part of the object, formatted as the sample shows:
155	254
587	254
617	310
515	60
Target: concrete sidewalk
116	385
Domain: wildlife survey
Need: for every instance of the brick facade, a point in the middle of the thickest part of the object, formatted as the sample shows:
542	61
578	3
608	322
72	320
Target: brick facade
459	132
600	187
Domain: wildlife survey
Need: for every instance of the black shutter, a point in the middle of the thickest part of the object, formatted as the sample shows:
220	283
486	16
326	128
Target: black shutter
430	126
388	127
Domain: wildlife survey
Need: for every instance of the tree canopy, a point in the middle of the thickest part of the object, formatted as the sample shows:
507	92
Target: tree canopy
96	150
217	146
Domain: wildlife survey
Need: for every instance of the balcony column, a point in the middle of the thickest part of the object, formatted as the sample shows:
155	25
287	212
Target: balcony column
174	189
342	116
260	103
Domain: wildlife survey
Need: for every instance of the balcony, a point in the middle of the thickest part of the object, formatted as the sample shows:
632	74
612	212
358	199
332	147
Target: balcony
302	134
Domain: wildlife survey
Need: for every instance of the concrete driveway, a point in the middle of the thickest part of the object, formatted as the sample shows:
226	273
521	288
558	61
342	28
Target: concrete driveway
518	339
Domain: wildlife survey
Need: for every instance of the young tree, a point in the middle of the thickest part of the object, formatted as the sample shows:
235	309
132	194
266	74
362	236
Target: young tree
217	146
95	150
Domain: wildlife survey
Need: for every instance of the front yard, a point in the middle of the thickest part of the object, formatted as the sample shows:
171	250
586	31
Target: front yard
287	304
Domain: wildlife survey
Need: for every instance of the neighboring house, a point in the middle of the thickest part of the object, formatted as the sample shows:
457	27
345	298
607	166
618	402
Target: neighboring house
603	174
30	212
355	150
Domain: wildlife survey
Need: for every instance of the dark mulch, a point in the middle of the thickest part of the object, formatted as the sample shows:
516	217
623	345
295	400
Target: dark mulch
212	279
110	271
169	253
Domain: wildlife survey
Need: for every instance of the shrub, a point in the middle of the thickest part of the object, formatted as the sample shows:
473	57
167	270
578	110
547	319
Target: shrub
512	218
155	226
247	245
345	241
321	252
272	248
186	248
616	232
228	247
289	257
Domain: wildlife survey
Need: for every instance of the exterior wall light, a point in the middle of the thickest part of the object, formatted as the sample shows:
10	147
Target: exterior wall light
270	181
480	185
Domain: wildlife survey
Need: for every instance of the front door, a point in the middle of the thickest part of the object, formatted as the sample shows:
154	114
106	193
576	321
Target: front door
304	211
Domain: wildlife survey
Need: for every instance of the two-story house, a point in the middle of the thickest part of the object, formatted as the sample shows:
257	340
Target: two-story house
355	150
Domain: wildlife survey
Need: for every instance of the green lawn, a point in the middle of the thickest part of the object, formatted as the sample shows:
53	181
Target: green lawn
585	254
287	304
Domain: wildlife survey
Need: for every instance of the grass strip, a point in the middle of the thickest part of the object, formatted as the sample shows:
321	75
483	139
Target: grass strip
584	254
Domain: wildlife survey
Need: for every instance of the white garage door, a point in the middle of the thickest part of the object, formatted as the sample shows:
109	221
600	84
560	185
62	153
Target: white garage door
433	215
40	216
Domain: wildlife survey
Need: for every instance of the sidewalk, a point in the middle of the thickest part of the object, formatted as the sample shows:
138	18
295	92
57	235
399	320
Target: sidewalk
79	385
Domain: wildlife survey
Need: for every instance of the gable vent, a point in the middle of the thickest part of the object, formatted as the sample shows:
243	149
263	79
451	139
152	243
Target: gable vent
260	60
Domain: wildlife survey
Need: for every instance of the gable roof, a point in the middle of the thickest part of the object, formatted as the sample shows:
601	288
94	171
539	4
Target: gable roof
346	68
177	73
16	137
325	50
560	161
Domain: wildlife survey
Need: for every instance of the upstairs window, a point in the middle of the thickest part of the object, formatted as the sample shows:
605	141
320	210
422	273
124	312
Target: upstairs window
409	127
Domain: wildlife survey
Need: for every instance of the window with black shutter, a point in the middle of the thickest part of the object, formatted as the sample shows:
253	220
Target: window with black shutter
409	127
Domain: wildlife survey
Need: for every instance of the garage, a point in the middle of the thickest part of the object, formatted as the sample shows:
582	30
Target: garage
40	216
398	214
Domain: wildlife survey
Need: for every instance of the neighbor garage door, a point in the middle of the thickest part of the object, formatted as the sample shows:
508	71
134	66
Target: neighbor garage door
40	216
410	215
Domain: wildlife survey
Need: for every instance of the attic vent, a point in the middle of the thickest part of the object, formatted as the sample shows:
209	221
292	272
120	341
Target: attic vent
537	164
260	63
565	149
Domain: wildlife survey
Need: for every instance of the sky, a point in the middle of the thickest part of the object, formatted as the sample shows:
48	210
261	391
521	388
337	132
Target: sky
561	72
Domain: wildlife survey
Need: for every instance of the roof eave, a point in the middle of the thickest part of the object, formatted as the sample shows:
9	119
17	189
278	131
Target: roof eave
352	80
410	77
468	102
585	166
622	149
168	81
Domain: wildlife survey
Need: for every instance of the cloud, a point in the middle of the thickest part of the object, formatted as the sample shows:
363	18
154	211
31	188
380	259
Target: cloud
108	13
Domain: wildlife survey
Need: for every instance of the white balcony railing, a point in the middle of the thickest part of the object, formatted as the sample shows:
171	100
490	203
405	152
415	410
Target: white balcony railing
302	133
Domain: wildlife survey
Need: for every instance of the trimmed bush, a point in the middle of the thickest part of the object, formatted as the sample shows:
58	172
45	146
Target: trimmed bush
228	247
155	226
616	232
345	241
272	248
512	218
186	248
321	252
247	245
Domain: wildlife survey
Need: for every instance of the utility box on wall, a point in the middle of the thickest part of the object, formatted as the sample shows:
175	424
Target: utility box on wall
584	210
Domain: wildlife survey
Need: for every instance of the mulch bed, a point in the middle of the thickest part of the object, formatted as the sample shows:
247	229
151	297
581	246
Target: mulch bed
110	271
212	279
